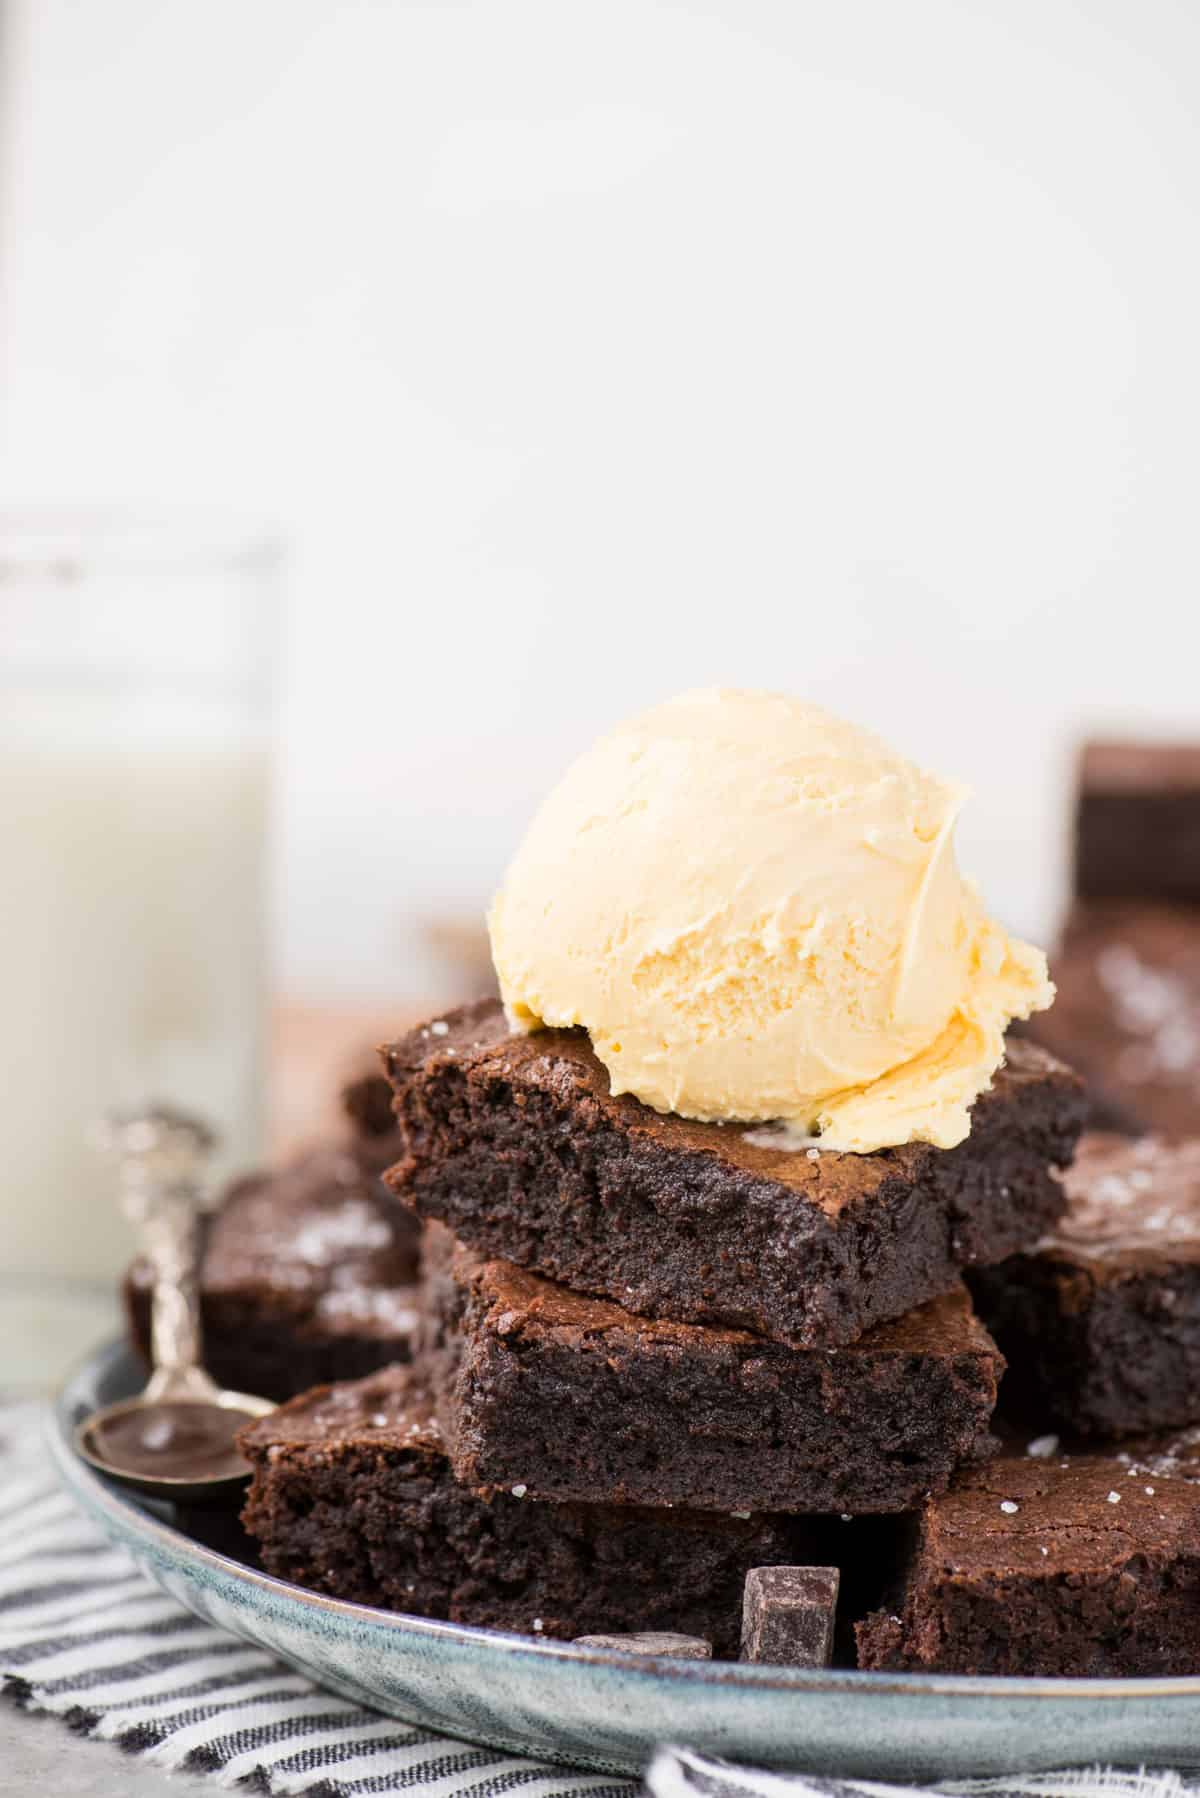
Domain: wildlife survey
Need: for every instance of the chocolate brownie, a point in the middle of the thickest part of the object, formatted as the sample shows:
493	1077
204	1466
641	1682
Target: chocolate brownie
353	1495
1137	822
1035	1564
517	1144
307	1274
1127	1014
367	1103
574	1398
1101	1323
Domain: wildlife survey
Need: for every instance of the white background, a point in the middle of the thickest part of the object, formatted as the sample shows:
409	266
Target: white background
590	351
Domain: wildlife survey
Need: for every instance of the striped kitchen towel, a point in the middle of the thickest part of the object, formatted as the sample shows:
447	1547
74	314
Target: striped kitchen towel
676	1773
85	1636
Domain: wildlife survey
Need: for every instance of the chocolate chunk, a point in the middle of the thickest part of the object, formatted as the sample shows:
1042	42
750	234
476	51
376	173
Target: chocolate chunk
788	1614
684	1648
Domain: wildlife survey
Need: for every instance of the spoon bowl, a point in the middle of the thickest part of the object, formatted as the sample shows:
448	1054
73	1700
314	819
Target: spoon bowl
178	1447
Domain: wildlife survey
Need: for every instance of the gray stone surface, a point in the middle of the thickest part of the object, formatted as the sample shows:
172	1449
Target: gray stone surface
39	1754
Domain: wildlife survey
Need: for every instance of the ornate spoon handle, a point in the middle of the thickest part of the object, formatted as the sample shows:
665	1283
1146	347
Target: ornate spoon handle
161	1156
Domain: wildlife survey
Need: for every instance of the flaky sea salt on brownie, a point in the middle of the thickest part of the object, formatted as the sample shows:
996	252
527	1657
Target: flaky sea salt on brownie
353	1495
307	1274
516	1143
1041	1563
1137	822
1127	1014
575	1398
1101	1323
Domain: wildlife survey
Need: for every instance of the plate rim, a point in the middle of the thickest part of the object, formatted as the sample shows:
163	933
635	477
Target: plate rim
130	1517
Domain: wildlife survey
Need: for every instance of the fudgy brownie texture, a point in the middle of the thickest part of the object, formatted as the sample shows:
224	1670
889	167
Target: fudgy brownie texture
1127	1015
1101	1323
1137	822
307	1275
1067	1564
574	1398
353	1495
516	1143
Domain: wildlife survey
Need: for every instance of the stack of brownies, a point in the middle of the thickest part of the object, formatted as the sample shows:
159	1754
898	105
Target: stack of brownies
669	1377
672	1384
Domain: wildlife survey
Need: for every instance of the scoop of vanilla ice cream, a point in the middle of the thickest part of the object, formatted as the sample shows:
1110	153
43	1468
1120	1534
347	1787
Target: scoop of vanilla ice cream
754	910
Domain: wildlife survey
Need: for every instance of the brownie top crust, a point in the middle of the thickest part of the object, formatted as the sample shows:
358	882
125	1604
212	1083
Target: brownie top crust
1128	1009
1139	768
388	1410
1056	1515
321	1235
1133	1204
562	1062
517	1143
315	1214
1052	1564
520	1304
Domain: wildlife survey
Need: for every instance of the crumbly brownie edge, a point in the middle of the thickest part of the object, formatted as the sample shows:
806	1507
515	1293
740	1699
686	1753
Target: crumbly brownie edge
1100	1576
1110	1625
545	1178
1105	1358
722	1424
439	1345
387	1525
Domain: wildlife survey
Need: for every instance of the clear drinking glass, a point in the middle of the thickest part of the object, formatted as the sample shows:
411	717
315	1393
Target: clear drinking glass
136	662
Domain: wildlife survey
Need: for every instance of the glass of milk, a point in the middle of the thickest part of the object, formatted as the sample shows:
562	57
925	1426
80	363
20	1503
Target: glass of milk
135	702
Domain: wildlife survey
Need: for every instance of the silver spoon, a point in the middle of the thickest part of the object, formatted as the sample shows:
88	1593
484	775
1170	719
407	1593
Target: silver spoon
176	1440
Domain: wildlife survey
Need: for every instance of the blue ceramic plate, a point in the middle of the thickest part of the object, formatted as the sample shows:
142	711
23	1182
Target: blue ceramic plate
605	1710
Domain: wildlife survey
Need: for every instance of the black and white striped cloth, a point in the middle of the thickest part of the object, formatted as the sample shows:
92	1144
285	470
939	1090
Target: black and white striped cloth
676	1773
85	1636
